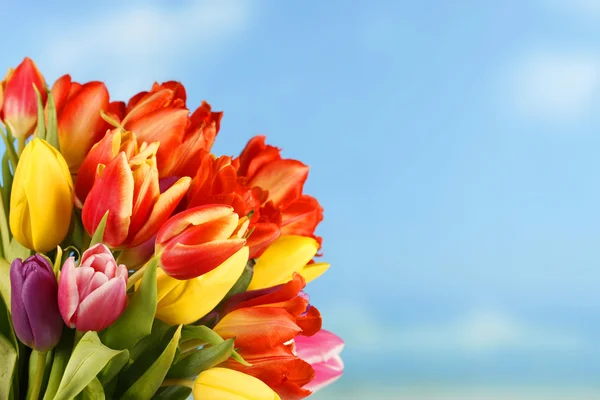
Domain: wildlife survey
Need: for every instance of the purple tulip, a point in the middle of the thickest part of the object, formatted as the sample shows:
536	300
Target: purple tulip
92	296
34	305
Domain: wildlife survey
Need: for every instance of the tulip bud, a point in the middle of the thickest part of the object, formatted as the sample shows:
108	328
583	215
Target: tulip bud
34	308
223	383
41	200
19	111
92	296
198	240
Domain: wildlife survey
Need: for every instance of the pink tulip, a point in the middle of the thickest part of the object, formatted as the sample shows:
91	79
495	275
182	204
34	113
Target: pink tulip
92	296
322	352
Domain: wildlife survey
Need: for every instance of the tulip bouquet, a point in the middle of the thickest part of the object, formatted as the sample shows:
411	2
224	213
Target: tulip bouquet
135	264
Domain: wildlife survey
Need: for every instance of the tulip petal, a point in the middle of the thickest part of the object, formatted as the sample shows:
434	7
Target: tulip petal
326	373
257	327
103	306
202	294
80	123
310	322
182	261
301	217
321	347
312	271
194	216
39	298
284	257
68	294
112	192
60	92
283	179
144	103
163	208
101	153
227	384
262	236
21	325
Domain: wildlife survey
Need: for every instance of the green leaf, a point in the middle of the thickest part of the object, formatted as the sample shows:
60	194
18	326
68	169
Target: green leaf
159	328
5	282
203	334
99	234
52	128
172	393
93	391
200	360
16	250
8	355
113	367
243	281
62	352
7	180
87	360
40	131
136	321
10	148
151	380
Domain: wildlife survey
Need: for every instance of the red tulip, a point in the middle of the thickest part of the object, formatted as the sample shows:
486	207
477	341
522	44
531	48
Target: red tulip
20	104
198	240
80	124
278	184
92	296
129	190
263	323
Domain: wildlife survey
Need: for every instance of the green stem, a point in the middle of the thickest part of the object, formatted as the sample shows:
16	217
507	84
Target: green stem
137	275
78	336
34	394
20	145
4	232
178	382
62	352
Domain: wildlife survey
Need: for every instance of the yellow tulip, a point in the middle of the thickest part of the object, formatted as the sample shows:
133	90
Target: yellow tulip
41	200
183	302
227	384
284	257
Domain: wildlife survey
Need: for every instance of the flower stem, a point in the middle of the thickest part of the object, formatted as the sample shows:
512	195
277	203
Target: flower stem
78	336
21	145
178	382
137	275
34	394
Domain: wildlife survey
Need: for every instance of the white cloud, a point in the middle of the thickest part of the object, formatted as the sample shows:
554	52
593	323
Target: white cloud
137	44
555	86
477	332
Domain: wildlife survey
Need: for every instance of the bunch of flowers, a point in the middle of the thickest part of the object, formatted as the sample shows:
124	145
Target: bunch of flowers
135	264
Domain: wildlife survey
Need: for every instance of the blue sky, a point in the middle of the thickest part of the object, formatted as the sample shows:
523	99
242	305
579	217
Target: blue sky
454	146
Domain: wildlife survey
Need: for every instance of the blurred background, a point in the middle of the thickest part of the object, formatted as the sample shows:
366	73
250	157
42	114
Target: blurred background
453	145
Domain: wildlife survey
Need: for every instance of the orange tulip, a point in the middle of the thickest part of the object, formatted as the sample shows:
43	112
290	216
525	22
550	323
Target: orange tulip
279	183
129	190
159	116
216	182
103	152
264	323
199	138
198	240
20	104
79	122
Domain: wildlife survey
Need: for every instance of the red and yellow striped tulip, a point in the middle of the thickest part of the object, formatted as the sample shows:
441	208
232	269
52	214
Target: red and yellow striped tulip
198	240
20	102
129	191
